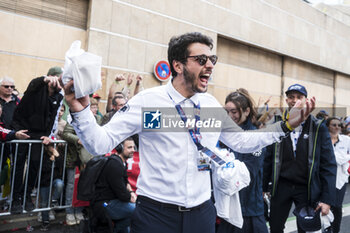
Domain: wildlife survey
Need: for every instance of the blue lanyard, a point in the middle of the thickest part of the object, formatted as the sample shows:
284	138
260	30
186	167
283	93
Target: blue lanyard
195	134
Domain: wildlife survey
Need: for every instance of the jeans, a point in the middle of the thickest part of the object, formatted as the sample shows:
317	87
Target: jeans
44	196
69	191
120	212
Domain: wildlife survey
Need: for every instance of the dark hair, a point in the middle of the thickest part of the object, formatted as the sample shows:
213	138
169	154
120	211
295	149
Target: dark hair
120	147
118	93
243	100
128	139
114	100
329	119
178	47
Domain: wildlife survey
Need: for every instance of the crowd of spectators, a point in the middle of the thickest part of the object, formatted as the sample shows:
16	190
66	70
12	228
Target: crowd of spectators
42	114
38	114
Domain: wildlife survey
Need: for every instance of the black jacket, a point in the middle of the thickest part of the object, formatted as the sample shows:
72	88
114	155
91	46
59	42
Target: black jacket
112	182
8	108
321	165
37	110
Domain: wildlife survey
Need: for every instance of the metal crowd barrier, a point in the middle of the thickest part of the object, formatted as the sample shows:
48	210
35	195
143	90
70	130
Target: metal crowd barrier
13	146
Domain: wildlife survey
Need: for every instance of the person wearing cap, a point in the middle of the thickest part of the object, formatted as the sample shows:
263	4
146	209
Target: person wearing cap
36	112
174	193
301	167
322	114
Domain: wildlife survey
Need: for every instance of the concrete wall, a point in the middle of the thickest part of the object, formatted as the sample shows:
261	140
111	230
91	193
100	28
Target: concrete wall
251	38
29	47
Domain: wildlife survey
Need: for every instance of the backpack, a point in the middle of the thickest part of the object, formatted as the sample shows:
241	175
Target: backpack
89	177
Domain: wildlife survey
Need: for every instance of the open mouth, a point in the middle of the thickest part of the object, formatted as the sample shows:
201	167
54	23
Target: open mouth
204	78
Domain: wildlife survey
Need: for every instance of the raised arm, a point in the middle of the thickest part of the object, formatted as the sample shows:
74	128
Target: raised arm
138	85
101	140
112	90
253	140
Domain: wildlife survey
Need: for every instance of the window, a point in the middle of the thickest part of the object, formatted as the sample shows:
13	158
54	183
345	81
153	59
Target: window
69	12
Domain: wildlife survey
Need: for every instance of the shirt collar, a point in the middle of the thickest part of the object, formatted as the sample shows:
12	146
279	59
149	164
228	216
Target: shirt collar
339	138
177	97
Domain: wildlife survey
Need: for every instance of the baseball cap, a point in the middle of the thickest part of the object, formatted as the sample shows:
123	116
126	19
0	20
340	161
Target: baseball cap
307	218
55	71
96	96
297	87
324	112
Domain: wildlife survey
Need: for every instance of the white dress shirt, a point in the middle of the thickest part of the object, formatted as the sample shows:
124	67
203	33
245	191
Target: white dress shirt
342	156
168	160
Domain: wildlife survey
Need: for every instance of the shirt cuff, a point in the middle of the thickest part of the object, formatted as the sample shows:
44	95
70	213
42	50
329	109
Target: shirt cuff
80	114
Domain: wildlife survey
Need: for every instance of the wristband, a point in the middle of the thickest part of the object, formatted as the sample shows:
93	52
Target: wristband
285	128
289	126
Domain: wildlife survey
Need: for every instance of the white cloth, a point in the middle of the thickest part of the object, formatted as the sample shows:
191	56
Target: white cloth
227	181
325	222
84	68
168	160
342	156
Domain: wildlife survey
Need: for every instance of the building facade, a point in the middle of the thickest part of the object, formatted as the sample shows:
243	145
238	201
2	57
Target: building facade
262	45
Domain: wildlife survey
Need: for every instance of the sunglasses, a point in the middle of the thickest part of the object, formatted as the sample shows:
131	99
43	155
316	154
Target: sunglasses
9	86
202	59
335	125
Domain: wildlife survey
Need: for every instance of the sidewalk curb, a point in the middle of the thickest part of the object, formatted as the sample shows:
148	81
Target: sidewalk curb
20	221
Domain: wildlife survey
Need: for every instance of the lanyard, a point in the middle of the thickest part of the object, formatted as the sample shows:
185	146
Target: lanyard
195	134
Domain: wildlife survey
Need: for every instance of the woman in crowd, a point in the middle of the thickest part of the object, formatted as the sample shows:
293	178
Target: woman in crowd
341	146
240	108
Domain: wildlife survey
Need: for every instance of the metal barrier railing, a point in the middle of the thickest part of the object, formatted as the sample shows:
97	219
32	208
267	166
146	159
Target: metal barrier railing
12	147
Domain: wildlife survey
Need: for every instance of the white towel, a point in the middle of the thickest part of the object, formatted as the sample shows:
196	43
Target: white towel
84	68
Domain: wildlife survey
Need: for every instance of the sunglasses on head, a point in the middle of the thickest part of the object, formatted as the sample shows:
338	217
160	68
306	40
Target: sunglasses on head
8	86
334	125
202	59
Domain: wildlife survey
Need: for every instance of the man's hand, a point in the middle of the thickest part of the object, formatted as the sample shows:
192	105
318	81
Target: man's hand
298	114
46	140
324	208
133	197
139	79
119	77
130	79
75	105
53	82
21	134
268	100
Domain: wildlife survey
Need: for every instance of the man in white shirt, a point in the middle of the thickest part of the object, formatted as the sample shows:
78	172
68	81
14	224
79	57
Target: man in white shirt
173	188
